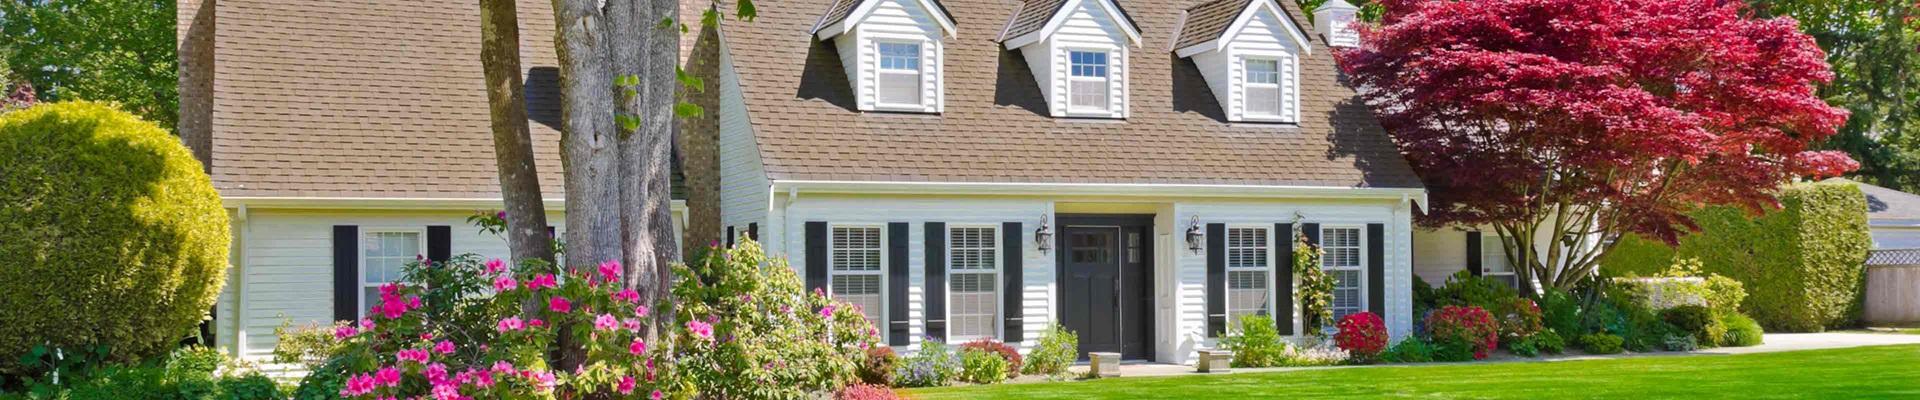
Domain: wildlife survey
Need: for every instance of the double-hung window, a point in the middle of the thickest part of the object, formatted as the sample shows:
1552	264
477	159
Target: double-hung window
1345	263
1493	262
1089	82
383	259
900	74
1266	97
856	274
973	264
1249	261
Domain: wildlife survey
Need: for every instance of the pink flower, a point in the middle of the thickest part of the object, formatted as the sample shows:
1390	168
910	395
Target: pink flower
494	266
632	324
366	324
656	395
640	311
543	380
344	331
426	335
700	329
436	373
503	367
606	322
536	323
626	385
510	324
484	380
358	385
627	295
388	377
826	312
447	392
444	347
610	270
559	304
414	355
542	281
638	347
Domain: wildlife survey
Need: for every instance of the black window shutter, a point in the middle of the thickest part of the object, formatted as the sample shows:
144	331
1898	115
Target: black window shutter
1377	269
897	319
1473	254
439	243
729	236
346	272
1012	290
753	231
1313	233
816	255
937	280
1283	278
1216	280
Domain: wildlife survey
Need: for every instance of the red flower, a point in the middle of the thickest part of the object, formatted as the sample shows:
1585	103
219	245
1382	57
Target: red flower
1364	335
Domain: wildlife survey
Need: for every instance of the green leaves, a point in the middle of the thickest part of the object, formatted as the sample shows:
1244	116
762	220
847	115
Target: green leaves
628	122
688	110
745	11
626	80
692	82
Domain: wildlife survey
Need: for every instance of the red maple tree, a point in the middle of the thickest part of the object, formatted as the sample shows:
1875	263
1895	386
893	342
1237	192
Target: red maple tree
1577	121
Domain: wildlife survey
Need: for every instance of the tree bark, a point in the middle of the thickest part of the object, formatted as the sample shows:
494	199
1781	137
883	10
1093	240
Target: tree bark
527	238
588	146
630	59
658	127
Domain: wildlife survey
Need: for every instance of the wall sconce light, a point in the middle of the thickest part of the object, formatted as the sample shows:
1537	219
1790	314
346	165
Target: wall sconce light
1196	237
1043	237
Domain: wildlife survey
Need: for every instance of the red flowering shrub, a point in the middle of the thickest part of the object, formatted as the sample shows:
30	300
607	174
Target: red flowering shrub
1006	352
877	368
1362	335
866	392
1458	331
1519	318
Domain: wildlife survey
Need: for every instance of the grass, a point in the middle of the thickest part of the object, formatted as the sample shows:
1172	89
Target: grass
1864	372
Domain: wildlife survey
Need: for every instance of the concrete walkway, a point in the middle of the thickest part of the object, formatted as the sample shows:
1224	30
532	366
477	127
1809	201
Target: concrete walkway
1775	342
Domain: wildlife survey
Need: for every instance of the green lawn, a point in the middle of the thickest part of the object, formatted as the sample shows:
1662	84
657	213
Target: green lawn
1867	372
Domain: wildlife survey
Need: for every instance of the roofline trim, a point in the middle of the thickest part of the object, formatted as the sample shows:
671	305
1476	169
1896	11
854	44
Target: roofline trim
861	11
1059	17
1417	195
1296	32
389	203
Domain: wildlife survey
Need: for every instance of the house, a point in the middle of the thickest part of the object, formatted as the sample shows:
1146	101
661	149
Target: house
962	169
1893	217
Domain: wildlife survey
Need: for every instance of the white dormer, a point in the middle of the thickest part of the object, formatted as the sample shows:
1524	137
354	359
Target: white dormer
892	51
1249	52
1078	51
1335	22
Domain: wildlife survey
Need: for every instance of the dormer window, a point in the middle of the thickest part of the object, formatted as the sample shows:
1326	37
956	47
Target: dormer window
891	50
1077	50
1249	52
900	75
1088	82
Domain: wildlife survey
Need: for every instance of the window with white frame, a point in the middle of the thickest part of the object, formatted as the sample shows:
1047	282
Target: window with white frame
900	74
1088	81
973	263
1267	94
1249	261
856	274
1345	263
1493	262
384	255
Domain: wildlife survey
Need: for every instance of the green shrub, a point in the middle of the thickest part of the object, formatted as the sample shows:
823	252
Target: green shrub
308	345
1057	349
1725	294
1560	311
1464	289
1741	330
1679	342
1255	344
114	235
982	366
932	365
1647	332
1545	342
1411	350
323	383
1698	322
1006	352
877	368
188	373
250	387
1800	265
1601	343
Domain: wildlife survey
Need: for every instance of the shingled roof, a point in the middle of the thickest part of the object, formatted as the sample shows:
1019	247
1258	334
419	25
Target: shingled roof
1208	21
995	127
376	99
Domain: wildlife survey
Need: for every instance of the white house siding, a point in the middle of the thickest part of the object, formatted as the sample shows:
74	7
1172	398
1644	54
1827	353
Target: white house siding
1086	27
287	265
1264	35
743	181
1180	295
894	21
1441	252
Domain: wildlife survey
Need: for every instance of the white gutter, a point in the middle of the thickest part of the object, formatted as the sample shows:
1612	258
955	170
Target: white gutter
1417	195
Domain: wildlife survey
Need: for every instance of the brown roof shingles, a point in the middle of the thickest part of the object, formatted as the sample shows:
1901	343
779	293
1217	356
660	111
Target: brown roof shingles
994	128
837	12
1208	20
1032	15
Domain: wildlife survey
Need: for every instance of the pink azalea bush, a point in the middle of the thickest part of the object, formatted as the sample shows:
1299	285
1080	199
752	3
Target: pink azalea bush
738	329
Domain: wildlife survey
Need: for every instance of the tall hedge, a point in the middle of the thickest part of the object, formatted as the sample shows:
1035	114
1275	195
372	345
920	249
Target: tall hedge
1801	264
113	235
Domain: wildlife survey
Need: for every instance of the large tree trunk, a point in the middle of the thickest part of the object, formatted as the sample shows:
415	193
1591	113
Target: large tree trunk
630	59
588	146
657	127
512	144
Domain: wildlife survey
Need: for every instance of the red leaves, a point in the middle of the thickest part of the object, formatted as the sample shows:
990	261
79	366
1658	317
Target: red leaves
1646	106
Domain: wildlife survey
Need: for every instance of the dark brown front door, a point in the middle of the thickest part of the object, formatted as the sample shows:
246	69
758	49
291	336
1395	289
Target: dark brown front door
1105	283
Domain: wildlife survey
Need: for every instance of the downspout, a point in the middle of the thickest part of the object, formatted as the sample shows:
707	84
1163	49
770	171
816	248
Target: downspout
239	278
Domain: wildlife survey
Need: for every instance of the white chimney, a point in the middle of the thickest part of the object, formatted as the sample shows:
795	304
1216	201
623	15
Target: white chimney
1334	20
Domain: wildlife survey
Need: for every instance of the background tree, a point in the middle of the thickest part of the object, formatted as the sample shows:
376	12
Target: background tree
512	143
1874	47
1581	120
102	50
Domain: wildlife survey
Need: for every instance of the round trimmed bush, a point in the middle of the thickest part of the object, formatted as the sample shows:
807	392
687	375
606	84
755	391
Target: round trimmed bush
115	237
1696	321
1742	331
1601	343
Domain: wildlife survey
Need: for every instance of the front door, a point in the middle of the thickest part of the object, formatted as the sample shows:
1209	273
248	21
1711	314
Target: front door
1106	284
